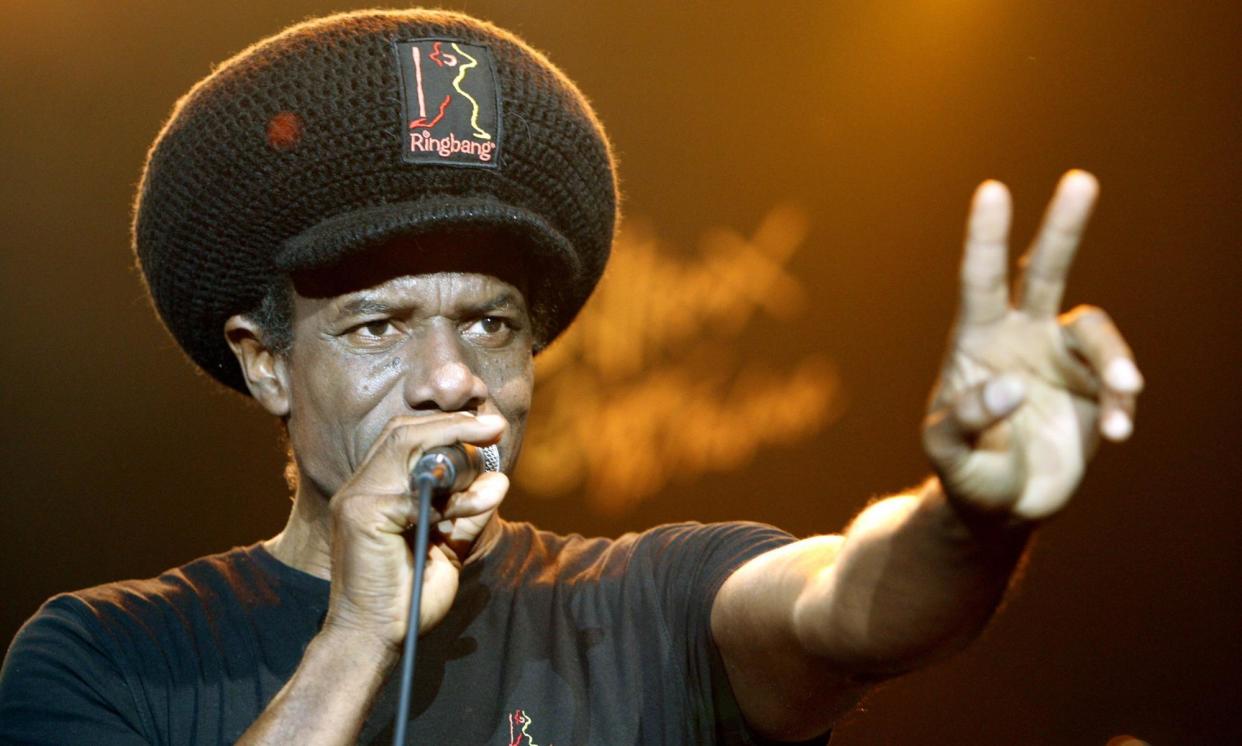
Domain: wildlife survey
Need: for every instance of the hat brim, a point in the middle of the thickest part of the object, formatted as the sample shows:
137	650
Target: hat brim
556	282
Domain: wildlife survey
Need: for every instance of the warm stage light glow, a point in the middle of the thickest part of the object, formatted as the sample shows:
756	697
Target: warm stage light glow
653	380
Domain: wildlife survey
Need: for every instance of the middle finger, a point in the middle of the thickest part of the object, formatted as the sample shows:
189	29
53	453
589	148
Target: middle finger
1048	262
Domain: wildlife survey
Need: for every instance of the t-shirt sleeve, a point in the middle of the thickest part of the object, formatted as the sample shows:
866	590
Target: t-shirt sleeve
60	686
690	562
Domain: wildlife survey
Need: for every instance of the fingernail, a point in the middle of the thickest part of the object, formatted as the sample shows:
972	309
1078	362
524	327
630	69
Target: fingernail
1117	425
1122	375
1003	393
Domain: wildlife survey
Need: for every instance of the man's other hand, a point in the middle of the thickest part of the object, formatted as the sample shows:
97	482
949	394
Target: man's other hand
1024	392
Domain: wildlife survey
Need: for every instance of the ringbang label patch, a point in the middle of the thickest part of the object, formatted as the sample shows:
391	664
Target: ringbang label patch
450	103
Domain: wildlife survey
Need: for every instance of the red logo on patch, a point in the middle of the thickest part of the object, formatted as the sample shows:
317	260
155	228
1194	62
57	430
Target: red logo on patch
451	103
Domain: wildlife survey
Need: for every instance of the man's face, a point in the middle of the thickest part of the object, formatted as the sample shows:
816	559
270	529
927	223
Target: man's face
397	332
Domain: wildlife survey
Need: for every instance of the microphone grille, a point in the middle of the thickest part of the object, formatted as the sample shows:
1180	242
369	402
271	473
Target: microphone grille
491	458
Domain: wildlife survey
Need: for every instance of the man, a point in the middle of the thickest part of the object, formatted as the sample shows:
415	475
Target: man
371	223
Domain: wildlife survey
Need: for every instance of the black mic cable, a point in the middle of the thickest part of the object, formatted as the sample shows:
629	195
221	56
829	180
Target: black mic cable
441	471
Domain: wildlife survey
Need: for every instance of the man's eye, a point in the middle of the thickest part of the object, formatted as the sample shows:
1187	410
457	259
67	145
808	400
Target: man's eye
490	327
376	328
373	329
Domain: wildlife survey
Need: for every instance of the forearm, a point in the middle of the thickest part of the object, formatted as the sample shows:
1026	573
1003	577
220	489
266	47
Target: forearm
328	697
914	580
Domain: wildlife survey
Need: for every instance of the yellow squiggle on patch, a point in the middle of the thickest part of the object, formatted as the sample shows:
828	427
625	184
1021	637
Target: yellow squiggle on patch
479	132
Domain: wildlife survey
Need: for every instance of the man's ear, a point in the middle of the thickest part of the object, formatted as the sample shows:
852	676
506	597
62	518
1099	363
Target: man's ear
266	373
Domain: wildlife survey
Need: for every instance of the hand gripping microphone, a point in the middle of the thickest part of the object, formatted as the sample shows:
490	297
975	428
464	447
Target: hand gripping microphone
453	468
440	472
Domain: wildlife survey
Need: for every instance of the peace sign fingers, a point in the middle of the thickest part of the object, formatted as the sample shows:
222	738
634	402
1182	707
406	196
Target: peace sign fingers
1048	263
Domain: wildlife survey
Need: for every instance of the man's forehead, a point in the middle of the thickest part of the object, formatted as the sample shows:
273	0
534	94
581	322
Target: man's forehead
454	290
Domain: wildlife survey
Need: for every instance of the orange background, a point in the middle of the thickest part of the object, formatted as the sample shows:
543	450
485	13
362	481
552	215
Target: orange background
119	461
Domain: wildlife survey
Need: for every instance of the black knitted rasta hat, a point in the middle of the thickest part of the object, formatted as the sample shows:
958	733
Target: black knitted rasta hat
343	131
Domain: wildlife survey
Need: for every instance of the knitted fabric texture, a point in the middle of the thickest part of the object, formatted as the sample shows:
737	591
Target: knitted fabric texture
289	157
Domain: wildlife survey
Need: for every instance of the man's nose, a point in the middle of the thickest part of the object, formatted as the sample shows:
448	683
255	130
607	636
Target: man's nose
441	374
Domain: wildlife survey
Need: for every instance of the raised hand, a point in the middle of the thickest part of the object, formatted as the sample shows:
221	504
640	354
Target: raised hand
1024	392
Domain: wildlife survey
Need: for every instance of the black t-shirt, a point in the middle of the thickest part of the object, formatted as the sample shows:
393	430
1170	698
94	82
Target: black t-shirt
551	640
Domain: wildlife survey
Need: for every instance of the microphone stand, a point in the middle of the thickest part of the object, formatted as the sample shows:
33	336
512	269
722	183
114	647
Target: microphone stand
426	483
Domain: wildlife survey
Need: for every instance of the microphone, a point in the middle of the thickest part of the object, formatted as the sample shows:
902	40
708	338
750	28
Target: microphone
452	468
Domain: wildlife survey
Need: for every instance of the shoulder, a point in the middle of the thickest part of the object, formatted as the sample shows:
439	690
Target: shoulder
205	580
92	661
700	537
704	549
527	550
69	672
108	619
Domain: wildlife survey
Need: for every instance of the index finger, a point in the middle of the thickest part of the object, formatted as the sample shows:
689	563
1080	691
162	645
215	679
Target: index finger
985	287
1048	263
386	467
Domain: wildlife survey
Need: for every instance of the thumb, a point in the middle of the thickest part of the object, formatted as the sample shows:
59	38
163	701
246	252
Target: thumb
950	432
440	580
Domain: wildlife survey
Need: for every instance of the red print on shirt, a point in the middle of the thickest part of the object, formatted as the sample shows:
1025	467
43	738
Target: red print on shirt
519	721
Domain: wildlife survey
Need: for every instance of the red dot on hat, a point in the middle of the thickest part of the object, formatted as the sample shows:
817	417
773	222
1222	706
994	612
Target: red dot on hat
284	130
